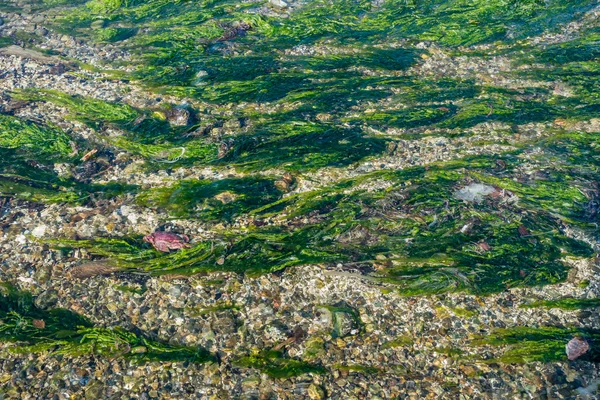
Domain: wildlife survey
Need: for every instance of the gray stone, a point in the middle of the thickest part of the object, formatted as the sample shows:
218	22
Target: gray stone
47	299
98	24
179	116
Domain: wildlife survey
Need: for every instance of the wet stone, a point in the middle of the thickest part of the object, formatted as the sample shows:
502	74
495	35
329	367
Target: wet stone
98	24
179	116
47	299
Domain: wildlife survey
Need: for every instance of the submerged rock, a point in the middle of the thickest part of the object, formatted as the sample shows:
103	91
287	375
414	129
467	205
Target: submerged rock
474	193
286	182
179	116
576	348
342	319
278	3
344	324
39	231
315	392
47	299
91	168
93	268
166	241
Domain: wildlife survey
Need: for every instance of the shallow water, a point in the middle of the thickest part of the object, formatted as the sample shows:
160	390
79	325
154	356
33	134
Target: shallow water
443	150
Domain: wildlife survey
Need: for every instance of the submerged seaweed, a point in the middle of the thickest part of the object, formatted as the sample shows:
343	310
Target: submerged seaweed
524	344
436	146
275	365
353	90
60	331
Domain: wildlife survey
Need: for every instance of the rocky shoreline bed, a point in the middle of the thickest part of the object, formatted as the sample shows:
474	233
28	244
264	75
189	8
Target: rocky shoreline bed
317	330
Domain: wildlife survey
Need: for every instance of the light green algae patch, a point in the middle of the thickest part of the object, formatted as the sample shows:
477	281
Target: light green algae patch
46	142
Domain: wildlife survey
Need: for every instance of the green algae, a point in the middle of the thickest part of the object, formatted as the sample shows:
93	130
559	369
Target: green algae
324	84
123	250
84	109
47	142
328	106
275	365
28	153
463	312
27	191
570	304
171	55
343	314
196	312
428	237
402	341
453	254
362	369
452	352
131	289
545	344
303	146
146	132
330	86
448	22
59	331
5	42
220	200
249	253
583	284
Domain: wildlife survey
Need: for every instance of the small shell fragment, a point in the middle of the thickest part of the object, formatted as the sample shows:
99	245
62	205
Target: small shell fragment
38	323
93	268
287	177
484	246
523	231
139	350
286	182
576	348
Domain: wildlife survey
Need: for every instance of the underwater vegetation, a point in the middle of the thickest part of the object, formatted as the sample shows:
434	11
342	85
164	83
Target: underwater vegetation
275	365
423	148
28	153
219	200
415	233
569	304
59	331
524	344
341	88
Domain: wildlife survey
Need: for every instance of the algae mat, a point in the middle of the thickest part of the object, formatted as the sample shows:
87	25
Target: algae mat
382	199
